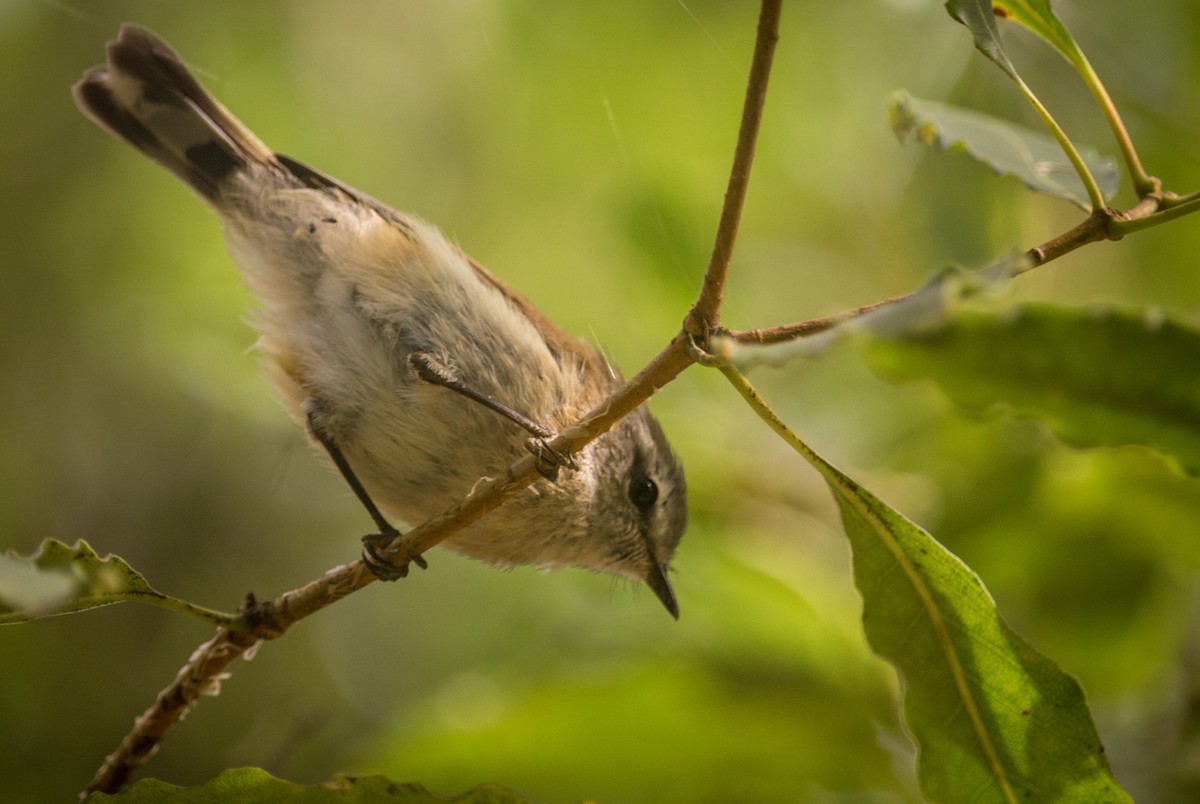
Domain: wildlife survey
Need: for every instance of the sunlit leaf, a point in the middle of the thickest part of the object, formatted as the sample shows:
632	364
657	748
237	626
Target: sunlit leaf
980	17
1008	149
86	581
1037	17
1096	377
63	579
993	719
254	785
34	591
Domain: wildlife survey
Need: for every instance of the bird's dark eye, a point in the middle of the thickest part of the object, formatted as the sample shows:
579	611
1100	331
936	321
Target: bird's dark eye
643	492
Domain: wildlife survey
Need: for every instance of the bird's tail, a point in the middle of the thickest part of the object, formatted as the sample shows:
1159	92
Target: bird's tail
146	96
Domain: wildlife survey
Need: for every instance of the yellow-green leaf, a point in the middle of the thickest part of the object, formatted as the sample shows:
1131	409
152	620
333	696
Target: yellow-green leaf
993	719
63	579
1037	17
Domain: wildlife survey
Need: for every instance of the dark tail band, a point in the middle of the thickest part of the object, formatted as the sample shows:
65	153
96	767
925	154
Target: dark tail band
146	96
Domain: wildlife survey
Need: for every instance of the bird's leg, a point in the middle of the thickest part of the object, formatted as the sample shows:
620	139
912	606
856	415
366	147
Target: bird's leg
385	569
549	460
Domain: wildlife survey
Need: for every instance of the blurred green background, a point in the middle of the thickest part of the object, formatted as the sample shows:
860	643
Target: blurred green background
580	151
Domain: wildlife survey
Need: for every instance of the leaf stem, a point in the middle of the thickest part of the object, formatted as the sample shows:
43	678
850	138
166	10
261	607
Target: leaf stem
1143	183
1095	196
1172	199
220	619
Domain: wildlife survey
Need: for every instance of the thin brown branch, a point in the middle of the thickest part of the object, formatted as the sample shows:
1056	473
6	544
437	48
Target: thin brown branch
268	620
705	315
1096	227
800	329
199	676
665	366
1092	229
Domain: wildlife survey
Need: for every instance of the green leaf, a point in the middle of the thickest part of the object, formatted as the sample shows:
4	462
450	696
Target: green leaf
1008	149
63	579
980	18
1096	377
993	719
255	785
1037	17
26	588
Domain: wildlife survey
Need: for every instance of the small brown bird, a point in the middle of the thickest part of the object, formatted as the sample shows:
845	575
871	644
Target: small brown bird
417	370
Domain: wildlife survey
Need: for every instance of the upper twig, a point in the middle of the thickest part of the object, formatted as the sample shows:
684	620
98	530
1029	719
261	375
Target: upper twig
705	314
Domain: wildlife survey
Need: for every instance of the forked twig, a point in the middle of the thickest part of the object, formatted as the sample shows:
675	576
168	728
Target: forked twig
208	665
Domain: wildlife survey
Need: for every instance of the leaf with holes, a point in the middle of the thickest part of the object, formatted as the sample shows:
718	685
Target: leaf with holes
63	579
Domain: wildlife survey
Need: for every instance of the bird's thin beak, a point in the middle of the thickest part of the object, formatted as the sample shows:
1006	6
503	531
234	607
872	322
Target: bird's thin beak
656	579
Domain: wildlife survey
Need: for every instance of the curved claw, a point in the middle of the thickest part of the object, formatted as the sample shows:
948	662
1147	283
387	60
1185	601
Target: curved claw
383	568
549	459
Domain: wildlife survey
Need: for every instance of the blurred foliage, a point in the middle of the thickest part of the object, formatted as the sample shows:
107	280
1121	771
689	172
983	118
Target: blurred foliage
579	150
252	784
1093	376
